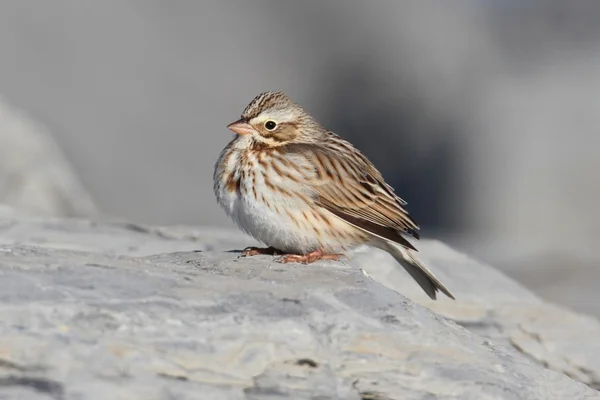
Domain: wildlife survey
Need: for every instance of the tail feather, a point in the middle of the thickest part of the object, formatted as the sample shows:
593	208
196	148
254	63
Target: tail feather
419	271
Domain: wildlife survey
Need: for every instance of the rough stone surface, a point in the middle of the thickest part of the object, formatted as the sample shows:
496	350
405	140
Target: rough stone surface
113	310
35	177
494	306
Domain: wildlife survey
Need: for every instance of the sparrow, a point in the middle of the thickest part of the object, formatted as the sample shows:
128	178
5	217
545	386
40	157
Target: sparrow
308	194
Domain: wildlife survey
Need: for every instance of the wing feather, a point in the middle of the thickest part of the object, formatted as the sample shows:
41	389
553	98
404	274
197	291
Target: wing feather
349	186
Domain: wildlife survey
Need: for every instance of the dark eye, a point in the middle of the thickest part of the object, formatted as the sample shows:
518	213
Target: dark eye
270	125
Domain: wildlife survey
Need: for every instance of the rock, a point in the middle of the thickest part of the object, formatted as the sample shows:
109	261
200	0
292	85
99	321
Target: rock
35	177
96	310
494	306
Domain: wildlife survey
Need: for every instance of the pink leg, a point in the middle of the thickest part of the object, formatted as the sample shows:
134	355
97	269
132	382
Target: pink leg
309	258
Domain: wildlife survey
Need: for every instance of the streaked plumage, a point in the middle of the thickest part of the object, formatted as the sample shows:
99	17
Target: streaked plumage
303	190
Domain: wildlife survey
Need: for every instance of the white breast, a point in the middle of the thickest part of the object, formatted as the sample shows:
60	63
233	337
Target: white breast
283	220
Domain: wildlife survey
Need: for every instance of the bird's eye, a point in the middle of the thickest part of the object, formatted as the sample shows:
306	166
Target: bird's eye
270	125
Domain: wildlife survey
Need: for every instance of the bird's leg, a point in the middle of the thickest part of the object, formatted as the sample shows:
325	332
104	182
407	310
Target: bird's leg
309	258
255	251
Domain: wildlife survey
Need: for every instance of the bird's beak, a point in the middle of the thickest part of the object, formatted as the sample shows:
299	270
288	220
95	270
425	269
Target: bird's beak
241	127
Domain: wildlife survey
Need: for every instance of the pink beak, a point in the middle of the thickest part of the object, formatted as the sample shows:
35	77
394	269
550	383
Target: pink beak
241	127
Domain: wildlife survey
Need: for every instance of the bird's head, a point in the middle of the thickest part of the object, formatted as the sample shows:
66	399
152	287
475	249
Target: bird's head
273	119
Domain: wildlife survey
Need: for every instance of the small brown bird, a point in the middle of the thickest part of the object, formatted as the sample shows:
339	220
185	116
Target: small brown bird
307	193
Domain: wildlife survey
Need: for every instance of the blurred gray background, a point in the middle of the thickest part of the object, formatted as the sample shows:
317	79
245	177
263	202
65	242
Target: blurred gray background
483	114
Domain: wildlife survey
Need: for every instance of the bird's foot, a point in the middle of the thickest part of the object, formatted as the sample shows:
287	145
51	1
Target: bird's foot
309	258
256	251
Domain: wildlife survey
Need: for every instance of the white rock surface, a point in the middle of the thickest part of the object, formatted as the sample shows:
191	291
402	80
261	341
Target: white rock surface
113	310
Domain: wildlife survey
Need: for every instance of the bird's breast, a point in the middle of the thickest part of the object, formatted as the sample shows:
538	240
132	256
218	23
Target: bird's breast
271	200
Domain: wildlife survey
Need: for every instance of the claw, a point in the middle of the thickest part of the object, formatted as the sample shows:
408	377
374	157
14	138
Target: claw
255	251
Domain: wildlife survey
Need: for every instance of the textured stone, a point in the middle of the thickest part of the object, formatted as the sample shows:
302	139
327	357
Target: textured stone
112	310
494	306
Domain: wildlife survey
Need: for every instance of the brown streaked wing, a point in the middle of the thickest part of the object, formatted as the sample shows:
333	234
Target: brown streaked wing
357	194
371	227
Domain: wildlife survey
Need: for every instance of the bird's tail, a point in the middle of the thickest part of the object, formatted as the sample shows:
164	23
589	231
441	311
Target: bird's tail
419	271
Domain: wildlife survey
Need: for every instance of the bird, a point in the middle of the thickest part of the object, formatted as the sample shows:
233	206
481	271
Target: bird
308	194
